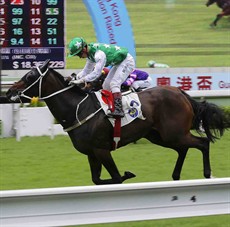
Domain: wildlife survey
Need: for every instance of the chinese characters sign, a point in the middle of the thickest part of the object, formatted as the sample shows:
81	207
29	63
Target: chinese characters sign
193	81
31	32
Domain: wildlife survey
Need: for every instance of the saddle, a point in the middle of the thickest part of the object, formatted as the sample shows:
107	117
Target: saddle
131	106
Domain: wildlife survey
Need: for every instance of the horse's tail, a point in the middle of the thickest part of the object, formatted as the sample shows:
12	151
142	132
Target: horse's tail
209	116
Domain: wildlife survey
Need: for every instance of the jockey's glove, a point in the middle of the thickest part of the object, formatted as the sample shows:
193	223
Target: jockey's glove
73	75
79	75
76	82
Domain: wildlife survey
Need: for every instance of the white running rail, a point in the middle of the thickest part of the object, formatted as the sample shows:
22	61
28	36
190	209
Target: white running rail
114	203
209	93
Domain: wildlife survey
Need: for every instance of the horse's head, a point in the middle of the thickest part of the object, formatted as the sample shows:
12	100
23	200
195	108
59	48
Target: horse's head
210	2
28	85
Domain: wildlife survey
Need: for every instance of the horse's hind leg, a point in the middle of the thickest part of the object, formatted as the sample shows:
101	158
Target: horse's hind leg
179	163
155	138
206	156
200	143
181	145
103	157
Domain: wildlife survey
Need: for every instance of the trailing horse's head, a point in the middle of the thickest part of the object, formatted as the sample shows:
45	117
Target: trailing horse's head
28	85
210	2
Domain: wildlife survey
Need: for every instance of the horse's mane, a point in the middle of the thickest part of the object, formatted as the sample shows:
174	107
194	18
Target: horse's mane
65	82
60	77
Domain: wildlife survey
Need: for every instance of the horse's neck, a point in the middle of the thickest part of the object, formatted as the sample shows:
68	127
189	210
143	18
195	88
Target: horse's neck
64	106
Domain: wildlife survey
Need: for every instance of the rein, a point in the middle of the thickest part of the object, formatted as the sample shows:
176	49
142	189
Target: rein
40	87
77	123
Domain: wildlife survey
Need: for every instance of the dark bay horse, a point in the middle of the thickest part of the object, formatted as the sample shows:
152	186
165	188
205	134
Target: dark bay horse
224	5
170	114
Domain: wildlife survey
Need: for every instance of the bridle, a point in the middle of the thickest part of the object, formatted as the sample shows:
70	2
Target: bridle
78	122
39	80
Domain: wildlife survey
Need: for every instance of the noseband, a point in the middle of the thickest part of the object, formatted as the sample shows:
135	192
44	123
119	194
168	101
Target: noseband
39	80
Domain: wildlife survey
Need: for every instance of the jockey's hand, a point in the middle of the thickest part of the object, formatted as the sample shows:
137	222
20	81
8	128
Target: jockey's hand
88	87
76	82
73	75
124	88
79	75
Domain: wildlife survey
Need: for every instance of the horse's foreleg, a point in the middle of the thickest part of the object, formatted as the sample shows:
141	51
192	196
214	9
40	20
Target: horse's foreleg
103	157
95	167
179	164
218	17
127	175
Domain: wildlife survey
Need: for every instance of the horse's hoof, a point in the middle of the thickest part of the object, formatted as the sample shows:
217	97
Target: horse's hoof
129	174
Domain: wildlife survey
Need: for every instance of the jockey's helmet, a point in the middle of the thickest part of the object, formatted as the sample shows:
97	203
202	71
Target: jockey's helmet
151	63
105	71
76	45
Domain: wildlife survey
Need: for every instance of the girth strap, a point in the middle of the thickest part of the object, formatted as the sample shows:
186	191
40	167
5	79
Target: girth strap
78	123
116	133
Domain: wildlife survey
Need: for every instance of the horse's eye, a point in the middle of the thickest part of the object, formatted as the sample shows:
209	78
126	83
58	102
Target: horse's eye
29	77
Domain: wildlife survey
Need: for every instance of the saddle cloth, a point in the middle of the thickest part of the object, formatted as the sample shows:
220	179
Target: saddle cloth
131	106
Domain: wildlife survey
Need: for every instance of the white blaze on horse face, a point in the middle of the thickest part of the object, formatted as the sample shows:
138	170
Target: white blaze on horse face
14	98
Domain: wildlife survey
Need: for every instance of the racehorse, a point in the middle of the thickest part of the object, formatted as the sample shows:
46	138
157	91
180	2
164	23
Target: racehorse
224	5
169	116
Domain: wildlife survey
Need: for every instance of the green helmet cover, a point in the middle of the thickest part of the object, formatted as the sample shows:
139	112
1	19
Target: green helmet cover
76	45
150	63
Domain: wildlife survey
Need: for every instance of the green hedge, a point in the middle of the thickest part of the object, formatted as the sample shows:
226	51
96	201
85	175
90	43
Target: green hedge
226	110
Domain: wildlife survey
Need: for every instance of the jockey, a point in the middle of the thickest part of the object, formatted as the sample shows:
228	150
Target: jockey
138	80
100	55
153	64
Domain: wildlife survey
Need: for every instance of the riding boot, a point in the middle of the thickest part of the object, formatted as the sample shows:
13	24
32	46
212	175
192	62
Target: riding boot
118	111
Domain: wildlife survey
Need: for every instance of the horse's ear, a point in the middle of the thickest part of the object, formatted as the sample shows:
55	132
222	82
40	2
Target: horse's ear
44	66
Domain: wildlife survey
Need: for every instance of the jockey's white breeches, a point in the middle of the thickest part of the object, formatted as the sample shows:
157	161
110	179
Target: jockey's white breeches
118	74
142	83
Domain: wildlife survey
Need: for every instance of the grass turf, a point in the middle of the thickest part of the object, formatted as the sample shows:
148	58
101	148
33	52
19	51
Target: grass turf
178	34
39	162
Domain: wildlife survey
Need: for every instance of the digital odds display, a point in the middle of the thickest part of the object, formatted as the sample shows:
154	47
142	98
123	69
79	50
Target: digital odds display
32	31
